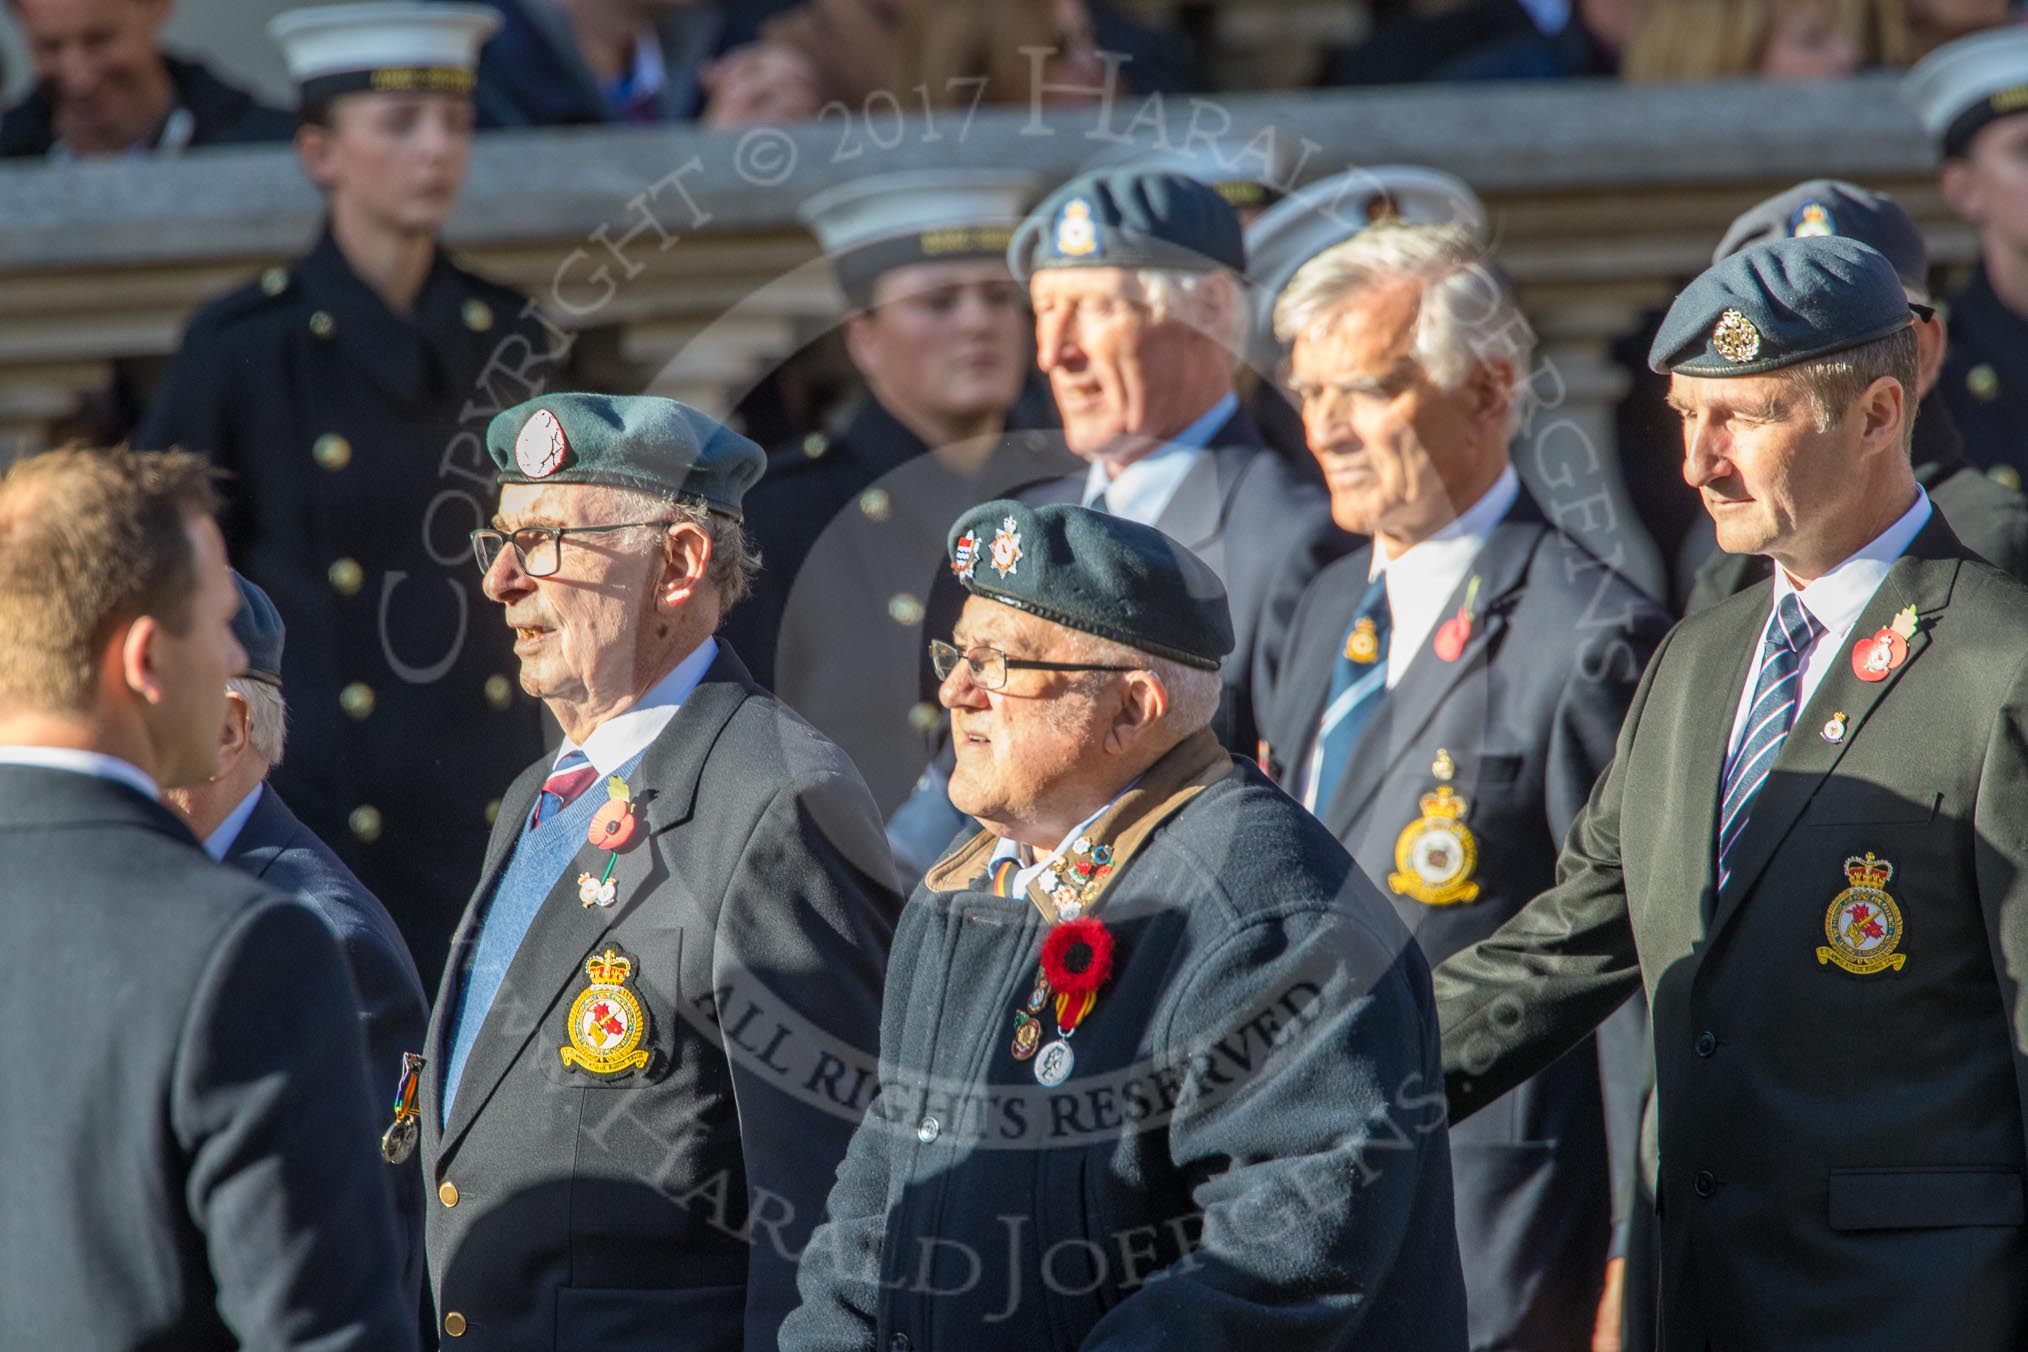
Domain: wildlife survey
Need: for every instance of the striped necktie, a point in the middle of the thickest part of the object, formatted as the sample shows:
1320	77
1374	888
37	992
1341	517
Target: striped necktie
1356	687
1790	632
573	774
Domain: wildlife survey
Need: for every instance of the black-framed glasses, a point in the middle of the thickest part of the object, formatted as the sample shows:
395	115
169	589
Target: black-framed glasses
990	666
538	549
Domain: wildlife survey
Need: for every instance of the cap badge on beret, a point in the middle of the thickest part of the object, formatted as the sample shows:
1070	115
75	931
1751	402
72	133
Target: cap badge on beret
1812	218
540	446
1006	548
1735	338
1076	231
965	556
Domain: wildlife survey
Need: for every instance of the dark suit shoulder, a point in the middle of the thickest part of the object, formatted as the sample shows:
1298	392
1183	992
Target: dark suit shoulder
249	314
1990	518
506	300
1569	581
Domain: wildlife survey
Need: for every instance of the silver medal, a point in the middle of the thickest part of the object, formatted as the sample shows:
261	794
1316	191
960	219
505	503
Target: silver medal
1053	1064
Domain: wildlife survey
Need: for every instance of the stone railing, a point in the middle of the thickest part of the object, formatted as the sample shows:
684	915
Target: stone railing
677	256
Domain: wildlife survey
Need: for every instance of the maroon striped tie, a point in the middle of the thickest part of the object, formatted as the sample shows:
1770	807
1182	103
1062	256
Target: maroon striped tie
571	777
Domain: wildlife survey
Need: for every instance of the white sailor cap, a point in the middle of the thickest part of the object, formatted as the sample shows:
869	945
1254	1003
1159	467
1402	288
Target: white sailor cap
382	48
873	225
1331	210
1961	86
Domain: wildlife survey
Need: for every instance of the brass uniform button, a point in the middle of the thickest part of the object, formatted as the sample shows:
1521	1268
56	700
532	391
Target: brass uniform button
331	452
478	315
454	1324
1983	381
875	503
924	716
322	324
365	822
904	609
356	699
2006	476
492	811
346	576
816	444
499	691
275	281
448	1193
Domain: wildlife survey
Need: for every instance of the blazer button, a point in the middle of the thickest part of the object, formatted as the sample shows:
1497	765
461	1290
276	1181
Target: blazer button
1705	1184
356	699
331	452
899	1343
1707	1043
365	822
346	576
929	1130
448	1193
499	691
454	1324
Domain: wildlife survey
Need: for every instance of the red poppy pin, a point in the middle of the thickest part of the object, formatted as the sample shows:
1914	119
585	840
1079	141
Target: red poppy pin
1453	633
1077	959
1873	658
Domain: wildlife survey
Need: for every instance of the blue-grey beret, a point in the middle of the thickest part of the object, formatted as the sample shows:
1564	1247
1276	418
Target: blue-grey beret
1775	304
1096	573
258	627
1829	206
625	441
1129	218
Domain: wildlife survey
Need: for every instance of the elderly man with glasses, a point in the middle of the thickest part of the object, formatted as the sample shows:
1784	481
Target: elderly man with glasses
1158	1065
642	1068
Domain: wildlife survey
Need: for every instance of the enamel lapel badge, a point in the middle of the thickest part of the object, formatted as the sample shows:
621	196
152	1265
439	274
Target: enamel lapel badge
1873	658
1863	923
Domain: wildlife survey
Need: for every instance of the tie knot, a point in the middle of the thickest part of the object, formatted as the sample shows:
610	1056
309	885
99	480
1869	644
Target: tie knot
1794	628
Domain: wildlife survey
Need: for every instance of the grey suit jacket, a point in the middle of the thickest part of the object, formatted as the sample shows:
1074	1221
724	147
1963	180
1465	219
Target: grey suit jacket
190	1161
1526	718
664	1205
1841	1151
392	1009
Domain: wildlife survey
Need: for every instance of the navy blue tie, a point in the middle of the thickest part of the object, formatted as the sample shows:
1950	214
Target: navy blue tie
1358	681
1790	632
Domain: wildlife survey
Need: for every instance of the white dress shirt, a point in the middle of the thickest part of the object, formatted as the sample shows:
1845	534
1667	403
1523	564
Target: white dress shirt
219	841
94	763
1422	579
1141	492
625	735
1834	601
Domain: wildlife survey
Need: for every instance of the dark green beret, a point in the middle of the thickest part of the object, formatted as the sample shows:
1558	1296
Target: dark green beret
625	441
258	627
1129	218
1096	573
1829	206
1776	304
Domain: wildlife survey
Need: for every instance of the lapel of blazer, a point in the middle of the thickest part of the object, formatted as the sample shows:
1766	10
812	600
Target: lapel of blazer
1501	566
1922	577
551	957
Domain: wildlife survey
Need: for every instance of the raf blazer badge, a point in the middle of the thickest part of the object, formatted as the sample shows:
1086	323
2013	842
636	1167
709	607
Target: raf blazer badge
606	1022
1864	924
1435	854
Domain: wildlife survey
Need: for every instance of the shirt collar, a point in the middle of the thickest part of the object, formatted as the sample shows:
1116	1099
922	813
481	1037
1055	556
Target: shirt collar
625	735
1836	598
1462	539
219	841
1014	849
94	763
1142	490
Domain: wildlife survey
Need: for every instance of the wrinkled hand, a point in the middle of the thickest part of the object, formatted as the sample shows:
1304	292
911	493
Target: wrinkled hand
1605	1329
760	82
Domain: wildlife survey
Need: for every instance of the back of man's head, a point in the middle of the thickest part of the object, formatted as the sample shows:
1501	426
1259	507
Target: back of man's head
90	540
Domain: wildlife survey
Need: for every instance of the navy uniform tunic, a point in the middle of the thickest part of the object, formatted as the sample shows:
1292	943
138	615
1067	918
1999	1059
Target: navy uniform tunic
1985	380
354	438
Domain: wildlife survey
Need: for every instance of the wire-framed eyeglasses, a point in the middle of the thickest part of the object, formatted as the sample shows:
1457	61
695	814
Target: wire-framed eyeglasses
990	666
538	550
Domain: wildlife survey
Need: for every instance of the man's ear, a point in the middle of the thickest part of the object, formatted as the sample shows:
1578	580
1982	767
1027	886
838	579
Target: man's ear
235	732
686	557
1492	388
138	667
1883	407
1144	702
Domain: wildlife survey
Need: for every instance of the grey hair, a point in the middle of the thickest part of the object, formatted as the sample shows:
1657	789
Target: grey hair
735	563
1833	384
1188	295
1193	693
267	716
1468	315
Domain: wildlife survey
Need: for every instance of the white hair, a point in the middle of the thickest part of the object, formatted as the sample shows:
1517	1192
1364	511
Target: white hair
1209	302
734	562
1193	692
1468	316
267	716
